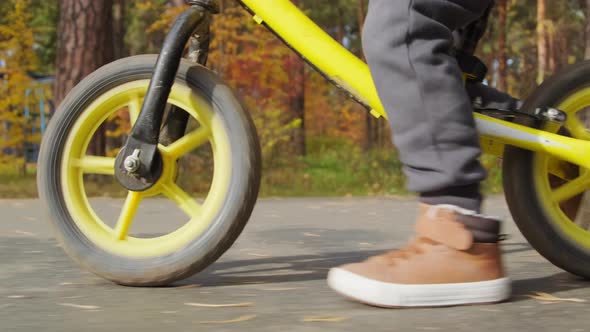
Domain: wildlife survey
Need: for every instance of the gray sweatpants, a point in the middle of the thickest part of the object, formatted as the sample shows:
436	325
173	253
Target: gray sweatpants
408	45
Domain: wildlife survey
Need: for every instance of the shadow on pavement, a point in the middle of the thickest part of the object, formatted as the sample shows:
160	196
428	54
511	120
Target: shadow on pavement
315	267
274	269
559	282
301	268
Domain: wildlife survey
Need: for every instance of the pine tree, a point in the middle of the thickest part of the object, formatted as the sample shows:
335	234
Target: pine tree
85	43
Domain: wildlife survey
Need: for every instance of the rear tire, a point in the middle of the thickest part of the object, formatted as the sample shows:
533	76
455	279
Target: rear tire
543	223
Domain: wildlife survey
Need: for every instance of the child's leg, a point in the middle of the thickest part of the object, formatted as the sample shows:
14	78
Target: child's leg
408	46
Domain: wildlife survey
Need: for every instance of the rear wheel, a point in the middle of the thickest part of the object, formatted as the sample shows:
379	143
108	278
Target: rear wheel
549	198
221	144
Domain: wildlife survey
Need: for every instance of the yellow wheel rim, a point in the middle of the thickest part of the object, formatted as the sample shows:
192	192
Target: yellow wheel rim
76	163
555	198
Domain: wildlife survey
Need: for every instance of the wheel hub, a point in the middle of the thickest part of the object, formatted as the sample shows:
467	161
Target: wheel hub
131	175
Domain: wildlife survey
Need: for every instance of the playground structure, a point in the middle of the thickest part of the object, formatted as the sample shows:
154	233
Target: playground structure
36	111
38	108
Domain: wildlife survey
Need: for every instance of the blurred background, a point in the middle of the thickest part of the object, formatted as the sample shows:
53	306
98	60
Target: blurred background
315	141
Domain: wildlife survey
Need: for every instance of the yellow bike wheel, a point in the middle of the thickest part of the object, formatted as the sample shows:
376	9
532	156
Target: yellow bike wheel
106	245
548	197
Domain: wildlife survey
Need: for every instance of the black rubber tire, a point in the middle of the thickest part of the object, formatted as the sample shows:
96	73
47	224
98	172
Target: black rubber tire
521	195
226	226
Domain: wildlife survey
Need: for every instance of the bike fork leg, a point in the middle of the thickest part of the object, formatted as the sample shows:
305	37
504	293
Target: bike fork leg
138	166
177	119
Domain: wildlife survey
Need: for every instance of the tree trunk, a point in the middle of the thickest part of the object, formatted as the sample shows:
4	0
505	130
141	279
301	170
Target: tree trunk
297	103
372	125
552	52
119	29
541	41
85	42
297	100
362	13
221	5
587	53
502	6
119	51
340	32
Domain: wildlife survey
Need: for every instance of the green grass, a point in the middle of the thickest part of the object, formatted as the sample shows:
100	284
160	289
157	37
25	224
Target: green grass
335	168
13	184
331	168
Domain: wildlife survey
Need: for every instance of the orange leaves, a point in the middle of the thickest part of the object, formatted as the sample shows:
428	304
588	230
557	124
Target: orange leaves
165	21
17	58
259	67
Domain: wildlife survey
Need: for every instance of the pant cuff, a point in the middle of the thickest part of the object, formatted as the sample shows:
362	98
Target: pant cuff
466	197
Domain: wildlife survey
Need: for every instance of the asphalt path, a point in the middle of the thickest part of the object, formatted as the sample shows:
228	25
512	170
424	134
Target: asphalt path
275	273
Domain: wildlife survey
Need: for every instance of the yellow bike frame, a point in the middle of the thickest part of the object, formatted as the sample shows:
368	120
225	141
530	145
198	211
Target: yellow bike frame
350	73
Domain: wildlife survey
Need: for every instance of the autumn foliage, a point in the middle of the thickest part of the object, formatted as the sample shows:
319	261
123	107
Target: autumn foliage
271	78
16	44
307	126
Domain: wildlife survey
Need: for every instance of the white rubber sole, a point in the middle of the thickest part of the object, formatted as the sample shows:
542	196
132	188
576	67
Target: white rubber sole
384	294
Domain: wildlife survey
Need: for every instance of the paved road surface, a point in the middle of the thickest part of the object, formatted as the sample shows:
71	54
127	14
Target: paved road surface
278	265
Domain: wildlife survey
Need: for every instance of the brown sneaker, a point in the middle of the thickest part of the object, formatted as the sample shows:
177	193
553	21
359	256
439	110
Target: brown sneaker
454	260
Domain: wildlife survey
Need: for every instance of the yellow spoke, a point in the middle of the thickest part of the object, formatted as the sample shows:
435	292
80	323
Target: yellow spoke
184	201
577	128
95	165
562	169
571	189
127	214
583	217
188	142
134	109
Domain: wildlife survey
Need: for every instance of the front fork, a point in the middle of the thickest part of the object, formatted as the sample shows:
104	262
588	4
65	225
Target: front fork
138	165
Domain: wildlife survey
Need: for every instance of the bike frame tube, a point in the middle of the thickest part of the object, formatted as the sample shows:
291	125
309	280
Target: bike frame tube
349	72
562	147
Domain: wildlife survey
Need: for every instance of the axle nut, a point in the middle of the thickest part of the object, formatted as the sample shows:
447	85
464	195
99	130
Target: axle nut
132	162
